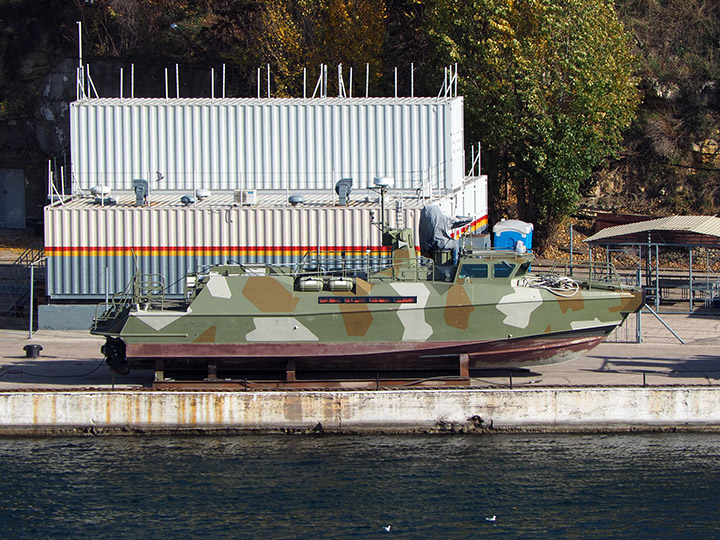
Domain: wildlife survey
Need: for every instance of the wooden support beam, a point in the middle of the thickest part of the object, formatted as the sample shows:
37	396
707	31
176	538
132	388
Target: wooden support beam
464	365
290	371
159	370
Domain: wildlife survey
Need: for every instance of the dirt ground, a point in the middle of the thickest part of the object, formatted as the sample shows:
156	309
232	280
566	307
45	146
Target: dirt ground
13	242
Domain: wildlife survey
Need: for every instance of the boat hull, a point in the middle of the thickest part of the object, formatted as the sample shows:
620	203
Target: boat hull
390	356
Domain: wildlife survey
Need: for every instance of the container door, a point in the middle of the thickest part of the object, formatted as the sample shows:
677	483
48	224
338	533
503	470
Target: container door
12	199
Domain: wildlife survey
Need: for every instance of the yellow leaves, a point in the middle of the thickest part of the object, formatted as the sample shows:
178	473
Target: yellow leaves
501	26
350	31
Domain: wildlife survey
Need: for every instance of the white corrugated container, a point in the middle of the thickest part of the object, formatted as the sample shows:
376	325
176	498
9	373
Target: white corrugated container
247	143
82	241
87	243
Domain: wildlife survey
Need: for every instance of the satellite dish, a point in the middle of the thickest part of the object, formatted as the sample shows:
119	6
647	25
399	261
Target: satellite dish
202	193
384	181
187	200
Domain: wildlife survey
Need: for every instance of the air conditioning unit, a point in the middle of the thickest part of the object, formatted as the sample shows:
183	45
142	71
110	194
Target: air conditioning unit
246	197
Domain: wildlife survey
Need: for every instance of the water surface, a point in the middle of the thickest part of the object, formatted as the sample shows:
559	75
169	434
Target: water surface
538	486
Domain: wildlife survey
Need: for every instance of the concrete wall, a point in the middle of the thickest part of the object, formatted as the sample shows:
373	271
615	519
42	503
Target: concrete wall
65	316
386	410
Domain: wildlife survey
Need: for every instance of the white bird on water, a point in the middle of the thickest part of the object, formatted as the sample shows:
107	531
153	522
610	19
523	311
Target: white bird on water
387	529
491	519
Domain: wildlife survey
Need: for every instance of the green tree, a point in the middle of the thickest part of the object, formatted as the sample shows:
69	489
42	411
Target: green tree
549	89
350	32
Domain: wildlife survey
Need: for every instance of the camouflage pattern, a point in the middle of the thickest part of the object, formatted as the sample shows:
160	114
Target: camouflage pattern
405	316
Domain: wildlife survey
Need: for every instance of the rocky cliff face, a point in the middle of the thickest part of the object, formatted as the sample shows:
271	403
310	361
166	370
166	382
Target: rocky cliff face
37	81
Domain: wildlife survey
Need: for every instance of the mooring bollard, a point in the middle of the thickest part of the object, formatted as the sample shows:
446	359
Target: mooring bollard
32	350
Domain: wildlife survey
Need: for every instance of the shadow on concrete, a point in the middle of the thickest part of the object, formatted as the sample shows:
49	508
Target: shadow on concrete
698	366
68	372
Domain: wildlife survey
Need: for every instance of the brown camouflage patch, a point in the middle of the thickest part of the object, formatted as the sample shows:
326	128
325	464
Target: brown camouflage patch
357	318
208	336
269	296
362	287
629	304
576	303
458	308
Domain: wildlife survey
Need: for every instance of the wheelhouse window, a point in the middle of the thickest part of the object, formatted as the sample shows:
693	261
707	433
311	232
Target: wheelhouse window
503	269
473	271
523	269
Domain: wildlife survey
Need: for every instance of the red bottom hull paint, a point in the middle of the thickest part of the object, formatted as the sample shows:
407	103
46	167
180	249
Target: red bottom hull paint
516	352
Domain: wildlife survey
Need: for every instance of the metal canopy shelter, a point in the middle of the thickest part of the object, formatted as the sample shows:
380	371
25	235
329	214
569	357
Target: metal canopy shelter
643	240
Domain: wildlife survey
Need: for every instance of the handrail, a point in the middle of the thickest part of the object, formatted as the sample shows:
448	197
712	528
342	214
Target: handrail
143	289
149	288
594	273
19	274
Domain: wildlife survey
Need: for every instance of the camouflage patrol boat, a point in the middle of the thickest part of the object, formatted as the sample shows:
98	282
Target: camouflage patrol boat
404	313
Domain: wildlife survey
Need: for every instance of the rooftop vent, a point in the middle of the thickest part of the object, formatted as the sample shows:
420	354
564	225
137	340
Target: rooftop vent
202	194
140	185
296	199
343	188
100	191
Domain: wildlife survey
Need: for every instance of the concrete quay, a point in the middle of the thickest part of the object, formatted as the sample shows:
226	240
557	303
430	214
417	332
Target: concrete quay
657	384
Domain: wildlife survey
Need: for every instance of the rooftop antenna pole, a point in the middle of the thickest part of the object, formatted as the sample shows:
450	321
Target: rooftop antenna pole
166	85
318	84
412	79
456	78
132	80
340	81
258	83
121	83
223	84
268	80
50	192
80	63
350	89
81	74
304	83
177	81
325	78
395	82
91	84
367	79
479	158
212	83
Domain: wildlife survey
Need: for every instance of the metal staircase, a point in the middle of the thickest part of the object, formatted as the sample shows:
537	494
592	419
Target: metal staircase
15	288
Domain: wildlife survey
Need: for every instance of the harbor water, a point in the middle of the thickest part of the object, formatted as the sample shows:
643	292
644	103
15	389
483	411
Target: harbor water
320	486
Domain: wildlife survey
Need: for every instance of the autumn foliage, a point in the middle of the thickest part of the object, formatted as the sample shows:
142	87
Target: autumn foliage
615	99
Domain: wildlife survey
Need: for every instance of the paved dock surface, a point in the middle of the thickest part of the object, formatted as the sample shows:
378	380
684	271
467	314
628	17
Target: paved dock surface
71	359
